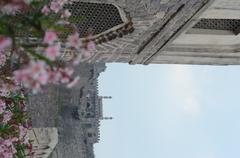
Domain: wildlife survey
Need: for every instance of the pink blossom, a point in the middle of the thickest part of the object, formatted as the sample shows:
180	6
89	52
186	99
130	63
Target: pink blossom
53	51
36	87
8	154
39	73
74	41
7	116
1	148
68	71
60	75
43	79
22	132
4	90
36	68
3	58
5	42
50	37
55	6
26	140
45	10
33	75
74	82
6	87
2	103
65	74
2	106
7	142
7	149
14	151
30	72
89	50
54	76
66	14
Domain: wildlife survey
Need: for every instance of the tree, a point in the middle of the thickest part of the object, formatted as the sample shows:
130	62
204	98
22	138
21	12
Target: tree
31	36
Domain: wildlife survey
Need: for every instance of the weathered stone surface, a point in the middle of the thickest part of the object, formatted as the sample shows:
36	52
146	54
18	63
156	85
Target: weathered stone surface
44	141
75	112
158	23
155	21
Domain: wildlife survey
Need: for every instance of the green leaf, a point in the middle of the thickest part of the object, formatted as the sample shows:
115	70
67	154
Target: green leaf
5	30
61	28
37	4
20	150
4	128
40	56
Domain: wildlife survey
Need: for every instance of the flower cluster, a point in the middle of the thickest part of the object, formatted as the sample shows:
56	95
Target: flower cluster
37	74
37	63
7	86
7	148
5	42
13	123
56	6
26	65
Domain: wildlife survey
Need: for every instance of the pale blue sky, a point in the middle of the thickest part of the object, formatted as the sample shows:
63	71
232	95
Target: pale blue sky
170	111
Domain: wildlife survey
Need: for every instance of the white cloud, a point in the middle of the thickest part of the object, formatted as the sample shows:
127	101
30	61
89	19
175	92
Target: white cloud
184	89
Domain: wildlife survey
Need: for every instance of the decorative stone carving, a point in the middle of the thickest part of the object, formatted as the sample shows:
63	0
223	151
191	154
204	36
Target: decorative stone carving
44	141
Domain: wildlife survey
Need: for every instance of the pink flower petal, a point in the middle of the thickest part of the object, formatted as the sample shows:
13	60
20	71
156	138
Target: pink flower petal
50	37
